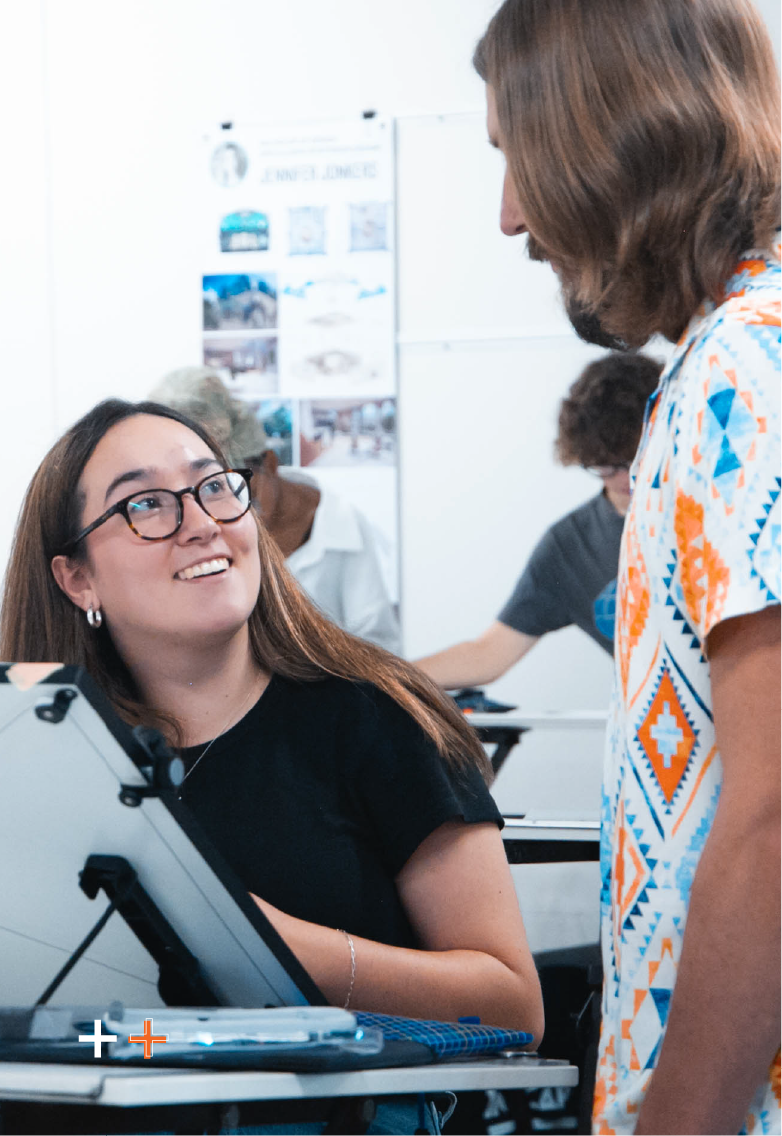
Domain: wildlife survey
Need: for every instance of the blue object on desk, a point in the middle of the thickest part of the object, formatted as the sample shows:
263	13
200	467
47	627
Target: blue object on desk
445	1039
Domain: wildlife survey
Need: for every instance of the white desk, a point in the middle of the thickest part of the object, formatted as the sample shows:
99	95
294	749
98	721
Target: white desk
126	1088
504	731
546	838
544	719
544	826
539	837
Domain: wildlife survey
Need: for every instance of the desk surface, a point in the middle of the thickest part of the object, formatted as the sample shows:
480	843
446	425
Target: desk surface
545	719
551	826
124	1088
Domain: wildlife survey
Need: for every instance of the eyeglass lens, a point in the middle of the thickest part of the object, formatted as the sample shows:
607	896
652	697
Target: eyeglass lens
605	471
156	513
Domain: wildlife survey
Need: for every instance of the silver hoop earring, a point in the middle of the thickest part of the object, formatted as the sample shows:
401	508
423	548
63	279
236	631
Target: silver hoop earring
94	617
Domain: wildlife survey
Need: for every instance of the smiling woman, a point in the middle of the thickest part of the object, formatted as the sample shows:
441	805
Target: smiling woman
138	556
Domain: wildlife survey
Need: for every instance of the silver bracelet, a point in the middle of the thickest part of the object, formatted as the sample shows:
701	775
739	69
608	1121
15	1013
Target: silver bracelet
352	968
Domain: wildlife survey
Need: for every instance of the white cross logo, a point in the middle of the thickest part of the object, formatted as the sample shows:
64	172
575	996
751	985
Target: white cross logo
98	1038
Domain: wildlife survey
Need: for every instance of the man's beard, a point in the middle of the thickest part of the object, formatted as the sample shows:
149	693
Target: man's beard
588	327
586	323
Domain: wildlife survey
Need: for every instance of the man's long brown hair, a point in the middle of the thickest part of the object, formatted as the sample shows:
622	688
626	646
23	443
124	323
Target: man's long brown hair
642	137
288	635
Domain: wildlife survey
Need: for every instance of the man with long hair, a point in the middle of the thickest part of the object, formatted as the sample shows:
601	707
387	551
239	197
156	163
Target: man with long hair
642	147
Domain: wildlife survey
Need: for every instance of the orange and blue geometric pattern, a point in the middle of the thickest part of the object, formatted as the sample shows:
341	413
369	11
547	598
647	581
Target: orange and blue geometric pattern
668	738
701	544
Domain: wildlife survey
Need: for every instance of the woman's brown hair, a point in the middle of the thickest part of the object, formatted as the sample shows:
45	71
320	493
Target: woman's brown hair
288	635
642	137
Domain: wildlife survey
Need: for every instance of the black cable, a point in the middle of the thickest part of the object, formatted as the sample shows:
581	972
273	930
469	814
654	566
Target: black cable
76	955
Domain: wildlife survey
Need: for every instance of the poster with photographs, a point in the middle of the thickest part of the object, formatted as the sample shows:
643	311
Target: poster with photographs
298	302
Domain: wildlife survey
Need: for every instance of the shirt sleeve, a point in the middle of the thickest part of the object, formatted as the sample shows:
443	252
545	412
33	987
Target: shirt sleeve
726	468
536	605
401	785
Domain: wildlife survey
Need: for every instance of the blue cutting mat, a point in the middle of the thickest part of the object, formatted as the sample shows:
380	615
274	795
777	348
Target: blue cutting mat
445	1039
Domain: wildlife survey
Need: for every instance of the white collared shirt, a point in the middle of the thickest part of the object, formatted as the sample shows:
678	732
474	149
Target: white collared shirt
339	569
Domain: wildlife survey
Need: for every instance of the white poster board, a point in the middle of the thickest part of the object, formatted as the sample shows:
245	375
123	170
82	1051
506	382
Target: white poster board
299	301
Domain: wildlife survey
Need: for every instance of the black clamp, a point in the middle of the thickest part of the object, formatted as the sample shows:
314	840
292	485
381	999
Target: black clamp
55	710
163	769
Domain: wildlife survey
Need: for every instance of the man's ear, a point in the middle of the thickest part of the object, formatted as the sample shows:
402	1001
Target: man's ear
271	463
73	578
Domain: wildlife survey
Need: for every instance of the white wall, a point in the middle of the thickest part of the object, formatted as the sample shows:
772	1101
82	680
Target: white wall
104	104
27	412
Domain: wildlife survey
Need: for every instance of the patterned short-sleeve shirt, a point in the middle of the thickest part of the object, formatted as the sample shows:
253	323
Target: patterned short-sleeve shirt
701	544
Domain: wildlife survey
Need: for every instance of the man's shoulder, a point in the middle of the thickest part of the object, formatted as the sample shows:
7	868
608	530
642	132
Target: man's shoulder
594	525
596	510
337	524
738	348
754	315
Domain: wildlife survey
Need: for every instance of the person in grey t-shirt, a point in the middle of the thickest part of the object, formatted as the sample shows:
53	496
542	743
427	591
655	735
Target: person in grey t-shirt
570	577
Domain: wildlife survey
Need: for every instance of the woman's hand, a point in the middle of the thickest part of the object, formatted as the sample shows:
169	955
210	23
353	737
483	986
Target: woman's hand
458	894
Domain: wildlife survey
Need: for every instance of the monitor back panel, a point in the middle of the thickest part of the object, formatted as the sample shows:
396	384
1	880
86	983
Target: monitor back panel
59	804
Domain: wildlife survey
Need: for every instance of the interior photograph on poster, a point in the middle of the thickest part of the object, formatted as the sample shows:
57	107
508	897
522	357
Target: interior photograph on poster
248	366
349	432
298	316
239	301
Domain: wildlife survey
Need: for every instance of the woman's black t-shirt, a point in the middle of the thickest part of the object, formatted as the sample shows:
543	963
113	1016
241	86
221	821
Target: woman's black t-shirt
319	796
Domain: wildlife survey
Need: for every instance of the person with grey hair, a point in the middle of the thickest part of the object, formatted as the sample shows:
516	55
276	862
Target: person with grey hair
327	543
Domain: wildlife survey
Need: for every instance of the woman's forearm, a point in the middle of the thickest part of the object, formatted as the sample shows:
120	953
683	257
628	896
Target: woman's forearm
445	985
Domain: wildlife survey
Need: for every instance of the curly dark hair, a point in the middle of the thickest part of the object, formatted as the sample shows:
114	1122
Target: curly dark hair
600	420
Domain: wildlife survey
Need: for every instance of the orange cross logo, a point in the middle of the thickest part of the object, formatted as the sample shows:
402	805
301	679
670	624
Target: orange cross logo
147	1038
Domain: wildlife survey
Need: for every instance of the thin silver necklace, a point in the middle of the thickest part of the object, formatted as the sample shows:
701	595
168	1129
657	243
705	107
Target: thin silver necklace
235	717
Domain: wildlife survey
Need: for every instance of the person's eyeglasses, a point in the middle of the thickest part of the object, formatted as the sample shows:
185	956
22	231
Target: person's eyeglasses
156	514
606	471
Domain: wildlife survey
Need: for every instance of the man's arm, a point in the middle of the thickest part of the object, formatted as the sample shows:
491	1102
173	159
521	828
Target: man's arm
723	1027
478	661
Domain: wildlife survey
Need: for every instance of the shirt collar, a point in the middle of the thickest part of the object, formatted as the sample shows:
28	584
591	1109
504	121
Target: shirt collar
334	529
606	506
749	274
